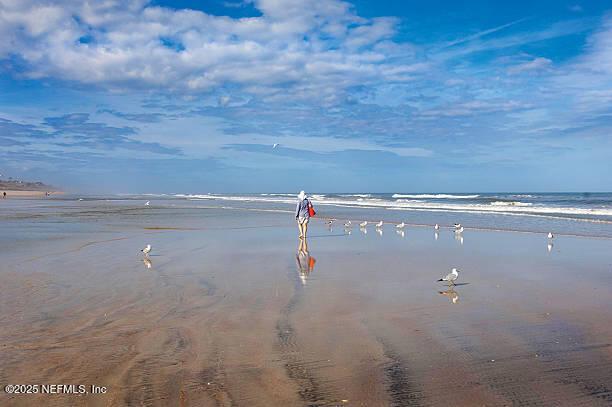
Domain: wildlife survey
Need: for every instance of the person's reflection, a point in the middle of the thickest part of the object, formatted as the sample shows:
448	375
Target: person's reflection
147	263
451	294
305	261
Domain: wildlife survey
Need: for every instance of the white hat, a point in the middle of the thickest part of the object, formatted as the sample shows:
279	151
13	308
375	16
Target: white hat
302	195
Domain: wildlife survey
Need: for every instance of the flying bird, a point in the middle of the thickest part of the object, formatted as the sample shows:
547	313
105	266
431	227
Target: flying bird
363	224
379	224
451	277
550	235
147	250
401	225
274	145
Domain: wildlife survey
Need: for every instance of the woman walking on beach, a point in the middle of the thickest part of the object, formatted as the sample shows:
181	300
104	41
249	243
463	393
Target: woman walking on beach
302	213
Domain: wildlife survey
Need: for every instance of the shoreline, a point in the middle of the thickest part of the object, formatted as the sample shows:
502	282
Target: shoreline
28	193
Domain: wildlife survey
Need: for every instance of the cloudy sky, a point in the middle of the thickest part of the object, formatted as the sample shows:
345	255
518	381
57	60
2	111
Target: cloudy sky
378	96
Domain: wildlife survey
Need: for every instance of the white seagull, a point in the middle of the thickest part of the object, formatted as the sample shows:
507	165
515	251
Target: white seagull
348	224
329	222
437	227
550	235
451	277
457	225
147	250
274	145
147	203
379	224
401	225
363	224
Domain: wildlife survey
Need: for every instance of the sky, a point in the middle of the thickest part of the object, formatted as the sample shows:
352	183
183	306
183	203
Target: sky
189	96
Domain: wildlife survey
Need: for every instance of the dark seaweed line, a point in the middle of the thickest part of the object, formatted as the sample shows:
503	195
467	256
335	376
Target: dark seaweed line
297	369
401	387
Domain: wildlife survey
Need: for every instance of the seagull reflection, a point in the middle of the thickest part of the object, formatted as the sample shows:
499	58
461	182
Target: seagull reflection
401	233
549	247
147	262
305	262
459	238
379	231
451	294
436	235
363	230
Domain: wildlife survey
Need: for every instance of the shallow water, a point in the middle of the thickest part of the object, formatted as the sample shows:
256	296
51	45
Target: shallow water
227	311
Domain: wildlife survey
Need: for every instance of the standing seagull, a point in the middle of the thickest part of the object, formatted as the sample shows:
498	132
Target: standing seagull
348	224
451	277
457	225
401	225
363	224
146	250
379	224
437	227
550	235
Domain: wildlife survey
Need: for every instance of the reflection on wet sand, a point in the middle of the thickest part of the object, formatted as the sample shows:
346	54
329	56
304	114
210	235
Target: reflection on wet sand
451	294
147	262
305	261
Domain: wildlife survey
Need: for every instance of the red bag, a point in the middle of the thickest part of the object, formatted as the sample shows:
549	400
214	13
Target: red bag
311	210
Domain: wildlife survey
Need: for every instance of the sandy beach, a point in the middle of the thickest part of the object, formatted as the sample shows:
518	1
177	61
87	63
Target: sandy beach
224	313
27	193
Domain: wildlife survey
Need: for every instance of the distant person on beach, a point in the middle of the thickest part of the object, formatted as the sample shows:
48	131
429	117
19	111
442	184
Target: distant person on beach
302	214
4	195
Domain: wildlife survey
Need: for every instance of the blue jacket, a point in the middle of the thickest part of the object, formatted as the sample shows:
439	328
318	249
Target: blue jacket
301	210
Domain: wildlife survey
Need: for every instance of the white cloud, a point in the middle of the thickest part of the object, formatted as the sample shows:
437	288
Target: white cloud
535	64
312	47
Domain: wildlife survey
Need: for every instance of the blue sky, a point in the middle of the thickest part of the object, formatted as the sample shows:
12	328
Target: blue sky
379	96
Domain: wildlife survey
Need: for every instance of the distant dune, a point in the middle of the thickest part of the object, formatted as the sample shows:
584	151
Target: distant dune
23	186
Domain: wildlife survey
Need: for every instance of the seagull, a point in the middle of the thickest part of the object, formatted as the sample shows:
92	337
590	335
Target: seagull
329	222
401	225
363	224
147	250
347	224
147	203
437	227
379	224
459	230
457	225
451	277
274	145
550	235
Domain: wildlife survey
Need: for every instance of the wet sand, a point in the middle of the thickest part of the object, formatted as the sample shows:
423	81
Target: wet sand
228	312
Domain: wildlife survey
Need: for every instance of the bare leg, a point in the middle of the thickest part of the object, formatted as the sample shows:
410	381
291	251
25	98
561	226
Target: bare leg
301	229
305	226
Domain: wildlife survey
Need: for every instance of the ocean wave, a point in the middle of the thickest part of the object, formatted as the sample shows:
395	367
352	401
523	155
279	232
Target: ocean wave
503	207
435	196
511	203
357	195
